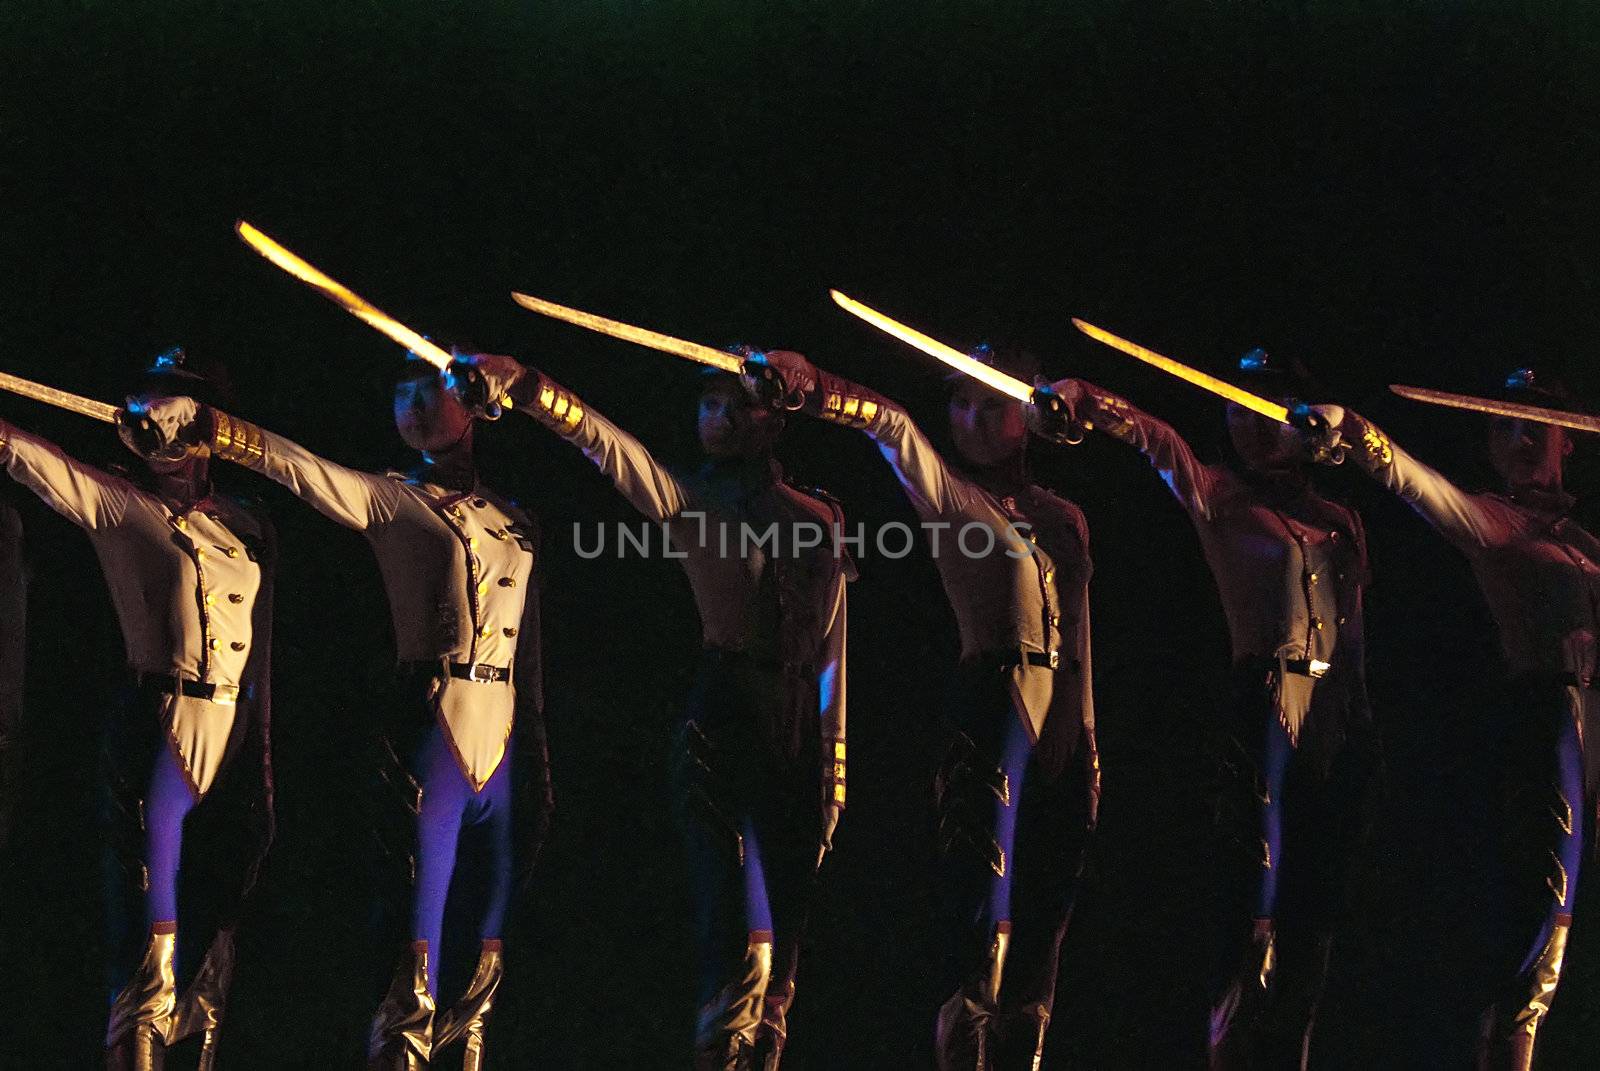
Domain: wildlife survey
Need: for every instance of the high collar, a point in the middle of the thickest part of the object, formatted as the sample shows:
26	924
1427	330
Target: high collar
1542	499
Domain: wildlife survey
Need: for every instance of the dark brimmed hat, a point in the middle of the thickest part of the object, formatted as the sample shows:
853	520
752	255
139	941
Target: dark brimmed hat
1535	387
1280	378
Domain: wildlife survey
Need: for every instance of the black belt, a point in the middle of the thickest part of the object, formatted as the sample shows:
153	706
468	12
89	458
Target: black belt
1314	668
477	672
225	694
1010	659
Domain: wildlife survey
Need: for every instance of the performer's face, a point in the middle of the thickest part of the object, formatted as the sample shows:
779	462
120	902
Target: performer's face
428	417
1526	453
988	428
1262	444
731	424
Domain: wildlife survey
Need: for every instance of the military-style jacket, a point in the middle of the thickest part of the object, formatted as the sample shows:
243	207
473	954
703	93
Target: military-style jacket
192	587
1539	571
1014	562
459	571
1290	567
775	599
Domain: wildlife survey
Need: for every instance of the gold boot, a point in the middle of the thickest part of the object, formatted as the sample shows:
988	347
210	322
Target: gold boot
402	1029
725	1033
468	1018
1508	1037
141	1014
961	1033
1233	1019
199	1010
773	1033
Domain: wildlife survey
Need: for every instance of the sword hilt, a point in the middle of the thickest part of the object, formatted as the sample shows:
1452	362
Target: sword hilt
1055	421
470	385
770	388
140	432
1320	437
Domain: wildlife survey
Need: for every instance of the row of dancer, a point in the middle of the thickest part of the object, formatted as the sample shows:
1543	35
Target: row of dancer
761	756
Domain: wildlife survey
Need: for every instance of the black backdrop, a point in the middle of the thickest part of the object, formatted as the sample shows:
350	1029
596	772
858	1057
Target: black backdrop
1391	191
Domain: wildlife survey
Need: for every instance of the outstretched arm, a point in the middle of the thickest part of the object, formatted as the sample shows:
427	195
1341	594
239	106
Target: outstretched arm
81	493
1169	454
354	499
1458	516
934	489
643	480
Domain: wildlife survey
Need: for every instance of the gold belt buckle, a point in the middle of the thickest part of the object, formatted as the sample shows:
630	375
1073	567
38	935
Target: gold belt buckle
488	673
1055	659
1317	668
226	695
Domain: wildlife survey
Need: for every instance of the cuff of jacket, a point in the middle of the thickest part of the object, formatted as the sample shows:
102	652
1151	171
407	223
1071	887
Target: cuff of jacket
1369	446
833	770
235	440
554	406
840	401
1109	414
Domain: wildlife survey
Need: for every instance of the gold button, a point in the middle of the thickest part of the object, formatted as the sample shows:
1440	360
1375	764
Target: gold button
1049	574
1316	623
510	631
199	552
472	542
180	523
212	643
236	598
483	586
237	645
485	630
501	534
1312	577
232	552
211	600
478	503
1342	620
1055	619
508	581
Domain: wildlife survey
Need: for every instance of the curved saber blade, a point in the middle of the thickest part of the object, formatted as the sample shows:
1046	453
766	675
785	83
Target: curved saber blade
655	340
344	297
1219	387
75	403
989	377
1559	417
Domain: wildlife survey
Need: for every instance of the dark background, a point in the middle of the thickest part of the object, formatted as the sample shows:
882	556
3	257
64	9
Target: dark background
1389	191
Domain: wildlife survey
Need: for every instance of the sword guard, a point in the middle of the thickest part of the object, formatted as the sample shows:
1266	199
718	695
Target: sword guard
469	385
1054	421
1321	439
140	432
769	385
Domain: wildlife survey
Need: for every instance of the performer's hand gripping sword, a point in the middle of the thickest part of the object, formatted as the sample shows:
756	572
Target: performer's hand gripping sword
1515	410
1299	416
141	432
1055	421
768	383
464	378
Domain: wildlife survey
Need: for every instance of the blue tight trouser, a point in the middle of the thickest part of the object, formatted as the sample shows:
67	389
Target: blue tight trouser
449	805
1013	823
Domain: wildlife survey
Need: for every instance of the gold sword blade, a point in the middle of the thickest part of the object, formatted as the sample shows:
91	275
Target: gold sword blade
642	336
1219	387
1516	410
61	399
989	377
344	297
